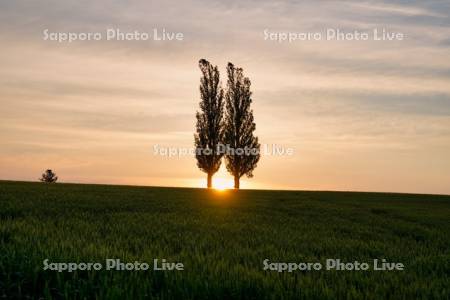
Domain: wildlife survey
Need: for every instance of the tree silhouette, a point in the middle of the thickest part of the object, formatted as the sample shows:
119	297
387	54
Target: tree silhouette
244	148
209	129
48	176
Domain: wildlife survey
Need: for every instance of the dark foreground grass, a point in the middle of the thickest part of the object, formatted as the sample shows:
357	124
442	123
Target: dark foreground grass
222	240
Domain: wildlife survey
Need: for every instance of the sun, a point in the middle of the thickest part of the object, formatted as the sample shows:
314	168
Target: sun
222	184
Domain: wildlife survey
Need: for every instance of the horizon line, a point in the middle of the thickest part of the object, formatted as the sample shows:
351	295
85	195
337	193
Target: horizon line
227	189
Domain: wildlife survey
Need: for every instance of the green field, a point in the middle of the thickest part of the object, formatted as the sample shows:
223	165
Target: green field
222	239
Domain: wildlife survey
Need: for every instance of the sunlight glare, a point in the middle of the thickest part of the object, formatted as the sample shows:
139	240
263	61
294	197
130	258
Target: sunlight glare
222	184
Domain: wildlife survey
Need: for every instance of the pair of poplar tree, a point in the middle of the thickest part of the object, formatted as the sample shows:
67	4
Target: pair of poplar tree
225	118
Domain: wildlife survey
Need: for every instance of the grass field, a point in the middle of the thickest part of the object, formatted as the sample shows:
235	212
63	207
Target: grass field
222	239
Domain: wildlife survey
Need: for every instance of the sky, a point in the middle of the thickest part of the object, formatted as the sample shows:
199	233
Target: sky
362	115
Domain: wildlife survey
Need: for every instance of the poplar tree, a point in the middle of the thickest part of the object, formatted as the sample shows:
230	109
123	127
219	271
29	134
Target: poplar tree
239	126
209	128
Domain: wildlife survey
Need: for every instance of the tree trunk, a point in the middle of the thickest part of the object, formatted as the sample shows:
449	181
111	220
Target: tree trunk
236	182
209	181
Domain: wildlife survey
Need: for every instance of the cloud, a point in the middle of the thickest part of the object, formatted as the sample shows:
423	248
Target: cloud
395	9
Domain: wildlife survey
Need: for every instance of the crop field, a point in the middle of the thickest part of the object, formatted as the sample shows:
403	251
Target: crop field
222	239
